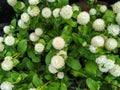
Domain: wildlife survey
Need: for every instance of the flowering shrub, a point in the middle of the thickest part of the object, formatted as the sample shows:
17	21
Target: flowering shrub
49	45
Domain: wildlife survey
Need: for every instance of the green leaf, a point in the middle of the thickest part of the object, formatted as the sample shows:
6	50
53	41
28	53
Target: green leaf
13	22
62	3
63	86
77	73
22	46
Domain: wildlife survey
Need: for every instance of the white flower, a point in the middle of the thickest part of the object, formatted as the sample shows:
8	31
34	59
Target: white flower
92	11
83	18
103	8
113	29
84	44
111	44
7	65
46	12
66	12
33	11
32	89
6	29
21	24
117	18
33	37
12	2
60	75
93	49
101	59
116	7
9	40
52	69
57	62
39	47
75	7
56	12
115	71
97	41
58	43
25	17
1	47
109	64
99	25
102	68
8	58
1	39
22	5
6	86
51	1
38	31
33	2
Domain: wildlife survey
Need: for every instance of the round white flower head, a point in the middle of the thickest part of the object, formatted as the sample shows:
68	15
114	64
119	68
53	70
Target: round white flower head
6	86
1	39
111	44
33	37
66	12
33	11
92	11
60	75
33	2
75	7
83	18
51	1
12	2
38	31
9	40
117	18
93	49
6	29
57	62
97	41
99	25
115	71
39	47
7	65
109	64
22	5
56	12
113	29
103	8
52	69
8	58
58	43
102	68
32	89
1	47
101	59
21	24
25	17
46	12
116	7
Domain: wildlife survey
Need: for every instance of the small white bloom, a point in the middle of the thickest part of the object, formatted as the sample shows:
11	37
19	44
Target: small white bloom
56	12
117	18
6	86
60	75
51	1
97	41
52	69
1	47
66	12
1	39
9	40
75	7
115	71
83	18
92	11
25	17
109	64
103	8
111	44
39	47
38	31
84	44
32	89
33	37
8	58
46	12
57	62
93	49
33	11
33	2
102	68
6	29
113	29
58	43
99	25
7	65
116	7
21	24
12	2
101	59
22	5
